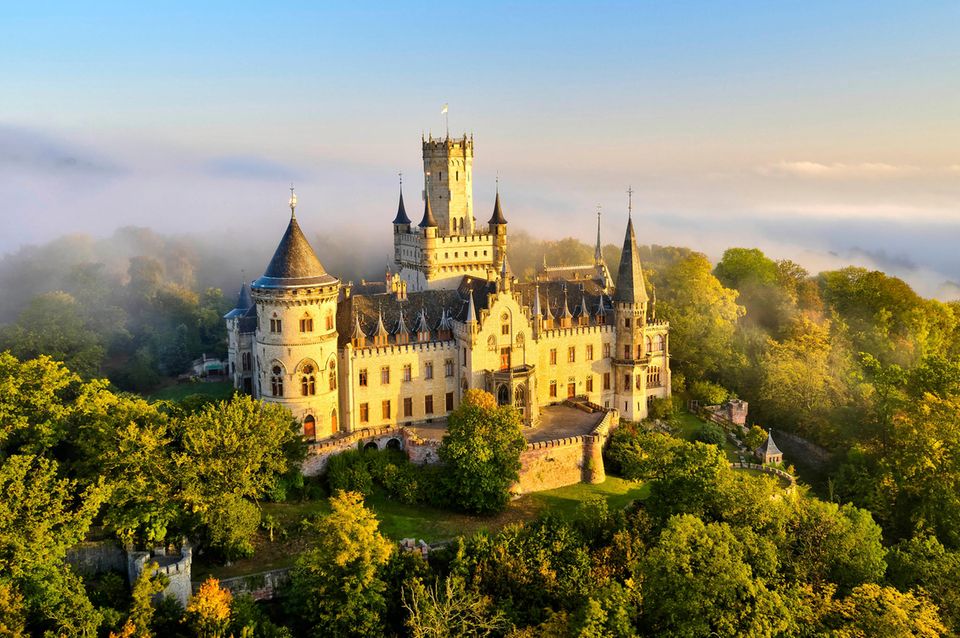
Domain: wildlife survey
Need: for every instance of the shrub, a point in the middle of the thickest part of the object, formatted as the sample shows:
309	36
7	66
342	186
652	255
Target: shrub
708	393
663	409
348	472
711	434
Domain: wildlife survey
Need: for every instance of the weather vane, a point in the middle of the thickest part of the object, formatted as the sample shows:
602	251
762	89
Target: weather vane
630	201
293	200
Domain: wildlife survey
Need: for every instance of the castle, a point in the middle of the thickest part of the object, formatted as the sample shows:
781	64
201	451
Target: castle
449	318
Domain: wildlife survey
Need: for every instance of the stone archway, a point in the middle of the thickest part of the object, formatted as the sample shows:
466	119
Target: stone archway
310	428
503	394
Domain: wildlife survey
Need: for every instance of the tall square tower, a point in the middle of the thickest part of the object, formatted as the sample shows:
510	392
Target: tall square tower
448	173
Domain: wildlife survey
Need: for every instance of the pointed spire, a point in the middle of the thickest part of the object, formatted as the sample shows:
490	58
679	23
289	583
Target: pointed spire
358	333
653	304
428	221
497	217
601	306
598	252
471	309
630	286
381	329
584	308
294	263
506	275
401	217
445	323
422	325
401	324
565	311
536	301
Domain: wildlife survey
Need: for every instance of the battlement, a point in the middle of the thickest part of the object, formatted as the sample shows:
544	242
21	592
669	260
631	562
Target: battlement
372	352
441	147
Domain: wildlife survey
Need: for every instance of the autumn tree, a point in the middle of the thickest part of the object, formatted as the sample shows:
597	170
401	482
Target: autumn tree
481	453
336	588
208	612
450	610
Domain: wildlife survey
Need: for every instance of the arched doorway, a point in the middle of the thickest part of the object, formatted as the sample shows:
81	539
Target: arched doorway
372	445
334	426
310	428
503	395
393	444
520	400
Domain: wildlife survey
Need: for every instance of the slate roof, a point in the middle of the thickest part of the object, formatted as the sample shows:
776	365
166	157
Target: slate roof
365	310
768	447
630	286
244	301
428	221
294	264
497	217
401	217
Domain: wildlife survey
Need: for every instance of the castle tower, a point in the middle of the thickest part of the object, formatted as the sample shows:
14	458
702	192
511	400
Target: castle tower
498	228
448	167
295	347
630	312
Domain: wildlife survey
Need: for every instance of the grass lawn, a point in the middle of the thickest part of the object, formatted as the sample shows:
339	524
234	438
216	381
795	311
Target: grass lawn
688	424
179	391
399	521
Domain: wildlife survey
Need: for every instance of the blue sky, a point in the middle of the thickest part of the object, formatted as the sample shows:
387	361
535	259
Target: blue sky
822	131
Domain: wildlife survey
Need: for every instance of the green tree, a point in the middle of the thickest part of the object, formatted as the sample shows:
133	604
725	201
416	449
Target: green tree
708	393
36	397
755	437
481	453
336	588
53	324
874	611
702	313
450	611
699	582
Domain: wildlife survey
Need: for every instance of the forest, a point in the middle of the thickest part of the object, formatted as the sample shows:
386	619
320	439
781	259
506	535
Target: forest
852	360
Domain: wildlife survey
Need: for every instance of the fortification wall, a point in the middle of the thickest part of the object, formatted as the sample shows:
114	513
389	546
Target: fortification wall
262	586
175	567
89	559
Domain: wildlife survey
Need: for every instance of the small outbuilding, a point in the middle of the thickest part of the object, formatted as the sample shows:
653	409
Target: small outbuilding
769	452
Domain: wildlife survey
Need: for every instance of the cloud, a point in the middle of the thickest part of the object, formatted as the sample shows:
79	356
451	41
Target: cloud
26	149
250	167
836	170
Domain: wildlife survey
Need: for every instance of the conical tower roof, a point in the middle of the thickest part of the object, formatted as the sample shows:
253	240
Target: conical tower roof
630	286
428	221
244	301
294	264
497	217
401	217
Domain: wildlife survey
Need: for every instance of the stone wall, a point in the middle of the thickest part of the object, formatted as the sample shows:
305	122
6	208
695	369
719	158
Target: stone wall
89	559
175	566
800	451
262	586
546	465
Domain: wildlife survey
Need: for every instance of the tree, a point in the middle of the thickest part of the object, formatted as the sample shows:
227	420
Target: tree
708	393
149	584
700	583
208	612
41	516
36	398
450	611
923	562
702	313
755	437
53	324
481	453
711	434
13	614
336	588
874	611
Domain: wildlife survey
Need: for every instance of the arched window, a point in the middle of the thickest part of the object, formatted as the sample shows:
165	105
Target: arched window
310	428
492	343
658	343
332	374
308	383
520	399
306	323
503	395
647	341
276	382
334	426
329	321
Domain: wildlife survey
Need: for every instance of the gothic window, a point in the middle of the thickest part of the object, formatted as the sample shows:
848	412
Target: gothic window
245	361
275	326
519	399
606	351
649	344
306	324
448	366
276	382
503	395
658	343
653	377
385	375
364	412
363	377
504	358
428	370
571	354
329	321
407	373
308	384
332	375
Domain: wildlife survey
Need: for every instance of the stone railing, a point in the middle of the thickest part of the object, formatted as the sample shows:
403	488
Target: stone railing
261	586
767	469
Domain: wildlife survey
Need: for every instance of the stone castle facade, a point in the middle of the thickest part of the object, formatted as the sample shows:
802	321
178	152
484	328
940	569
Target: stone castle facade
450	318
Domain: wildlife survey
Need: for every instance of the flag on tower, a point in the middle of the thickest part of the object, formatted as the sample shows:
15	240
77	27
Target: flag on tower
444	109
